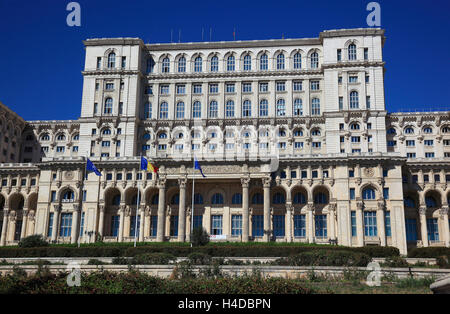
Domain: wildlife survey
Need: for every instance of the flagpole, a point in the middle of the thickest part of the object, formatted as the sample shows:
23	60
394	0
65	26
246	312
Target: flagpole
137	206
82	195
193	189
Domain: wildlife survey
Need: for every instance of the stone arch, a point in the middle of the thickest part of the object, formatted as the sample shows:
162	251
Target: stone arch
16	201
364	186
111	195
131	196
213	191
300	201
252	193
433	200
321	195
150	194
285	193
32	200
65	189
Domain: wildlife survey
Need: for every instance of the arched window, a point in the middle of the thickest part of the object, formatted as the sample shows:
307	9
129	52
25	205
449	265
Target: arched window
196	110
236	199
198	199
247	63
281	133
298	107
320	198
198	64
297	61
182	65
263	63
352	52
230	64
428	130
61	137
368	194
409	202
409	130
213	109
155	199
68	195
162	135
354	100
217	199
430	201
315	132
214	64
164	111
247	108
180	110
229	109
258	199
148	110
278	198
45	137
281	108
150	65
263	108
175	199
314	60
280	62
106	131
116	200
112	60
108	106
298	133
165	65
392	131
299	198
147	136
446	130
354	126
315	107
76	137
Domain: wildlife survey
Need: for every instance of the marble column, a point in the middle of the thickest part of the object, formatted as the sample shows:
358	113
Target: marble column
245	211
359	224
56	213
182	211
23	231
101	222
74	233
161	210
141	222
121	222
381	224
289	210
4	226
423	225
332	213
444	216
310	222
267	227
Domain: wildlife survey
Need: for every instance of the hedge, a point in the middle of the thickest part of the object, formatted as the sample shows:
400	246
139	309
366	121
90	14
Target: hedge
184	251
327	258
429	252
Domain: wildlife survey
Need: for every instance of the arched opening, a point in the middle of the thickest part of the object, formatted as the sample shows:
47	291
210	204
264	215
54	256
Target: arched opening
412	219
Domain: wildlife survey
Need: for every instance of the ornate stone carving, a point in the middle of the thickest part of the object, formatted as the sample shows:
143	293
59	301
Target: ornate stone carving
56	207
360	205
182	183
310	206
332	207
443	211
369	172
423	210
289	207
266	181
245	182
102	208
76	207
68	175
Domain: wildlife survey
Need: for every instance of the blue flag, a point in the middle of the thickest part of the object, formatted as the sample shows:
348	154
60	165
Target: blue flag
90	167
197	167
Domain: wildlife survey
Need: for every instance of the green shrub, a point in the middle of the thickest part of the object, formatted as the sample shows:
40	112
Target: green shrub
429	252
153	259
32	241
199	259
120	261
94	261
443	261
395	261
200	237
329	258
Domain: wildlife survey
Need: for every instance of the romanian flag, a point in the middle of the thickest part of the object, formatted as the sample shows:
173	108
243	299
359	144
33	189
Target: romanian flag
148	166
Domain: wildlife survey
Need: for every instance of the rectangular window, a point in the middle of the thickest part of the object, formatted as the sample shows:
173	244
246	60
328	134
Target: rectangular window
60	149
230	88
368	102
367	79
356	139
353	222
153	225
411	230
278	225
213	88
197	89
392	143
352	193
370	224
339	55
246	87
66	225
432	229
315	85
410	143
366	53
297	86
115	222
387	224
181	89
82	225
109	86
149	90
411	155
298	145
257	225
53	197
339	80
50	225
99	62
106	143
353	79
321	226
173	226
281	86
198	221
429	155
341	103
299	226
216	225
164	89
263	87
236	225
133	225
386	193
316	144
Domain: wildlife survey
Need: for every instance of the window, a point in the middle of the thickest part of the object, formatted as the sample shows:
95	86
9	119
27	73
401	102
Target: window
173	226
299	226
257	225
428	142
316	145
164	89
217	199
115	223
366	53
281	86
196	110
392	131
369	194
315	85
432	229
198	64
66	225
213	88
154	225
314	60
236	199
236	225
149	90
214	64
353	79
181	89
298	107
164	111
297	61
315	106
278	198
339	55
50	225
263	63
247	109
281	108
356	139
367	79
150	65
299	198
411	230
386	193
99	62
246	87
182	65
148	110
409	131
109	86
297	86
60	149
108	106
352	52
320	199
354	100
229	109
106	143
263	108
352	193
230	88
180	110
165	65
133	230
197	89
112	60
370	224
387	224
263	87
410	143
230	64
278	225
280	62
247	63
411	155
120	107
216	224
368	102
321	226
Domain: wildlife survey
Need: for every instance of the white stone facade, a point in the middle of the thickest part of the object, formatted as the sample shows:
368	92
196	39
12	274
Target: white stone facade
292	135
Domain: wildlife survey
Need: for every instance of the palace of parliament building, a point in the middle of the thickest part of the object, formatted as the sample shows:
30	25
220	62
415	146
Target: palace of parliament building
292	135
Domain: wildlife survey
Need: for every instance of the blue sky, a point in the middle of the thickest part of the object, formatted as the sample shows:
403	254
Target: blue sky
41	58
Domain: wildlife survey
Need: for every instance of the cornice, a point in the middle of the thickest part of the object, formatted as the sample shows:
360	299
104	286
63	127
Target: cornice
353	64
113	41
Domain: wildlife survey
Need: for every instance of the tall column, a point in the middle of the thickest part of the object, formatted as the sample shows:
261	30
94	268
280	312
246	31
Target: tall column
289	209
310	222
121	222
188	223
267	227
245	212
359	224
74	233
57	210
141	222
161	213
24	223
423	225
101	222
182	211
4	226
444	215
380	223
332	213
